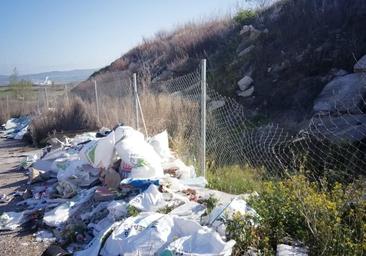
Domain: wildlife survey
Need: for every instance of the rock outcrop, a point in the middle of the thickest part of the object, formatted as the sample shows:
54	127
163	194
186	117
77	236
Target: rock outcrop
342	94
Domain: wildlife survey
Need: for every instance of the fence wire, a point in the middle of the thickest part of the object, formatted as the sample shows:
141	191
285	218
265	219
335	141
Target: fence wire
332	143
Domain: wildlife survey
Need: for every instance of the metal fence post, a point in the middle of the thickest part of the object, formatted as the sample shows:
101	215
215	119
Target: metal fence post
66	94
96	98
46	96
7	105
203	117
136	101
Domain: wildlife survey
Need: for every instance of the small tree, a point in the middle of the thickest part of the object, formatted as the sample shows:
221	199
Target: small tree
21	89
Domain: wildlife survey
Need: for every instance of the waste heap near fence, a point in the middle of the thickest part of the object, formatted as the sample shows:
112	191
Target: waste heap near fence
116	192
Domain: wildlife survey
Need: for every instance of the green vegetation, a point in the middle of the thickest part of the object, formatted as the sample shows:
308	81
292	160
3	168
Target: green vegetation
210	203
132	211
245	16
235	179
329	219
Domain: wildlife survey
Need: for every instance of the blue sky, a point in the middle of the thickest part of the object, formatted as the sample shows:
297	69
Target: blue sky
45	35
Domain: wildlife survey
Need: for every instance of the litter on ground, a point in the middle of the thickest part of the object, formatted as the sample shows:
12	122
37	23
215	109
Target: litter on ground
118	193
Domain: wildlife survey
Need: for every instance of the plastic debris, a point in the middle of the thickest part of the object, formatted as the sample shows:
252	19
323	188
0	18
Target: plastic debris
288	250
44	236
150	200
150	234
11	220
109	196
139	184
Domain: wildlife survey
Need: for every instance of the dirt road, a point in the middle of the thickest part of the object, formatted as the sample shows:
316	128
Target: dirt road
15	242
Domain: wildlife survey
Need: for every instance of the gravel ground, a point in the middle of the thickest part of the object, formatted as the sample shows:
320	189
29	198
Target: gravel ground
15	242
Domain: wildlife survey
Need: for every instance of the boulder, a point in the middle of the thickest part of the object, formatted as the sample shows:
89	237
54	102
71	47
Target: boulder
360	66
338	129
246	51
251	32
344	93
245	82
245	31
215	104
246	93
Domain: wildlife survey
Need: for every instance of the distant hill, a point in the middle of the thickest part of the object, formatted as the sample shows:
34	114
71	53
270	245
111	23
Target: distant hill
58	77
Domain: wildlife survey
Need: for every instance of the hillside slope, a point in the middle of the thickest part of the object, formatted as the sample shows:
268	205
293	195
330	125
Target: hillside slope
290	51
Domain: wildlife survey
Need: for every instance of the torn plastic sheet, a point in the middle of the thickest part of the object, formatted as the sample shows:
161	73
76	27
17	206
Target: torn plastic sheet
11	220
191	210
44	236
226	211
150	200
132	238
60	215
117	241
203	242
117	209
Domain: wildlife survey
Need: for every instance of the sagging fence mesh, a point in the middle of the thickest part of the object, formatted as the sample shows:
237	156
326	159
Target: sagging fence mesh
331	143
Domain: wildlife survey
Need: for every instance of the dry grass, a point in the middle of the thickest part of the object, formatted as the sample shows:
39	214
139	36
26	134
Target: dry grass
67	117
179	117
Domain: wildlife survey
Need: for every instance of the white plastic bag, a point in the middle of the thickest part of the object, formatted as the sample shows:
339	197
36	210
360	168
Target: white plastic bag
191	210
151	233
139	157
160	143
99	153
117	209
203	242
118	241
150	200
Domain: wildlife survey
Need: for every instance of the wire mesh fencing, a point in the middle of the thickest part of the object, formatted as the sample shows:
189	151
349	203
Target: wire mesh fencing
332	143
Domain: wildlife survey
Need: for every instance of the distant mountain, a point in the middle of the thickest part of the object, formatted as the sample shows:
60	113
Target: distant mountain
58	77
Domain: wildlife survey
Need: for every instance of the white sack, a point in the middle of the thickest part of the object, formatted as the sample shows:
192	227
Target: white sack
203	242
138	156
118	241
160	143
191	210
99	153
149	201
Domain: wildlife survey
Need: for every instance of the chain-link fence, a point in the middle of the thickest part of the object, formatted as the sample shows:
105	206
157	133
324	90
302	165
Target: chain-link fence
331	143
32	100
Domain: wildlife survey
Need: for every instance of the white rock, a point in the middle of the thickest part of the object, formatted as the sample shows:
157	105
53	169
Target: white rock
215	104
246	29
246	51
360	66
246	93
245	82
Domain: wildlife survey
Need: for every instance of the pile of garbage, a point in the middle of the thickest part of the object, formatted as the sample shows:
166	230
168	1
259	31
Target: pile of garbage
16	128
116	193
